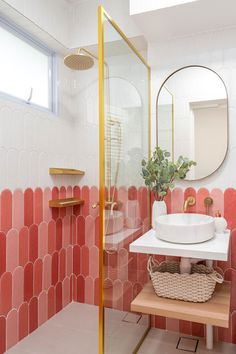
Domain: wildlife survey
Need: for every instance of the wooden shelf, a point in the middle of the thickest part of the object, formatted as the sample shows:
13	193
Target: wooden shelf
63	203
65	171
214	312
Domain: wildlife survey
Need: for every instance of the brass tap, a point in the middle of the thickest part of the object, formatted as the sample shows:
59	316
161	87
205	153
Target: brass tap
111	205
190	201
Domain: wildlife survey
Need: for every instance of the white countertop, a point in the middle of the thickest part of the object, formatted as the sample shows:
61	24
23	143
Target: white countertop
214	249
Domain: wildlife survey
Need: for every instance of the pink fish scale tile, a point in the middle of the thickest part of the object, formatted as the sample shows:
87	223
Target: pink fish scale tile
42	308
23	246
43	240
89	290
89	231
47	212
93	198
38	206
18	209
202	193
177	200
85	196
218	201
12	251
11	329
94	262
65	291
51	236
66	231
6	210
17	287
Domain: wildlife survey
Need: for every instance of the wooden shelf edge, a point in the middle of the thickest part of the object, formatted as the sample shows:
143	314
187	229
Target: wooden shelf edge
214	312
63	203
65	171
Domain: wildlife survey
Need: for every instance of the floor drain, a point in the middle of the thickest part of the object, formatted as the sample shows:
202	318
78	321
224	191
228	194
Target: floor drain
187	344
131	317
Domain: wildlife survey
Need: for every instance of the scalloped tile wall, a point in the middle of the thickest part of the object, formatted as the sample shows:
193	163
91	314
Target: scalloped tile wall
48	258
225	202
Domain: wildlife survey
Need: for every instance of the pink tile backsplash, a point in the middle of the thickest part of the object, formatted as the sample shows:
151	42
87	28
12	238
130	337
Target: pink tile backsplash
50	257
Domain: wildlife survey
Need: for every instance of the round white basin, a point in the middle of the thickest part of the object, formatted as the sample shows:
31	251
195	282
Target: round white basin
185	228
114	221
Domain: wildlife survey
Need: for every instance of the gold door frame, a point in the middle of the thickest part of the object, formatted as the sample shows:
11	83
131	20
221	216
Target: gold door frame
101	15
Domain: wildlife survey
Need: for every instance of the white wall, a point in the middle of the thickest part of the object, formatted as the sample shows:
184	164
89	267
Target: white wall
216	50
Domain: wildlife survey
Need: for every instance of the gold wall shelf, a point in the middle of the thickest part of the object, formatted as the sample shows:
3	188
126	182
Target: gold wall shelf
63	203
65	171
214	312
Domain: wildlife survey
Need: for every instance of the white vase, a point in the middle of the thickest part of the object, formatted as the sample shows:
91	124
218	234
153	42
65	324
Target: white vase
158	209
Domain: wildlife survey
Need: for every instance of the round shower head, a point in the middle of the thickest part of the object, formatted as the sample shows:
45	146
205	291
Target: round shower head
78	61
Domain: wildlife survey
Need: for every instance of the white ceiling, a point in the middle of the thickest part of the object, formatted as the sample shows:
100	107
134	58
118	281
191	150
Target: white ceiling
187	19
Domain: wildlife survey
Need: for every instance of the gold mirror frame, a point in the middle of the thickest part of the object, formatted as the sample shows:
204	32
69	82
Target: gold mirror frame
227	97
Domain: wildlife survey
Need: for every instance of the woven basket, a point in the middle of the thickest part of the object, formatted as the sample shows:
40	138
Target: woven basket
195	287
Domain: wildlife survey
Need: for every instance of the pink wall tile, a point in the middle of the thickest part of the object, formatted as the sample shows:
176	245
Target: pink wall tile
23	246
58	234
33	314
3	253
233	249
94	198
17	287
33	243
185	327
43	239
47	212
65	292
172	324
69	261
47	272
2	334
94	262
62	195
80	230
18	209
89	290
55	268
85	261
62	264
58	290
97	231
89	231
66	231
12	251
202	193
190	192
76	260
168	202
85	196
12	329
51	237
23	320
198	329
177	200
5	293
51	302
96	291
218	201
230	207
28	282
42	308
6	210
73	235
76	194
37	277
38	206
80	289
28	207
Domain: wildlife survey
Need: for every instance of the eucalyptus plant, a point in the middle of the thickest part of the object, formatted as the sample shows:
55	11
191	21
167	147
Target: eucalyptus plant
159	172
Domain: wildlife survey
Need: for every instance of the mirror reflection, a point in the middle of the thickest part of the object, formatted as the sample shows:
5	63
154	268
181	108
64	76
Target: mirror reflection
192	118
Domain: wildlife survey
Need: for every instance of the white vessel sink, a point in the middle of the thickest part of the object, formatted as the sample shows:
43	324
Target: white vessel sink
185	228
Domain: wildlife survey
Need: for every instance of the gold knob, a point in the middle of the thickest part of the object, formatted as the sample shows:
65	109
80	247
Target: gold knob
95	205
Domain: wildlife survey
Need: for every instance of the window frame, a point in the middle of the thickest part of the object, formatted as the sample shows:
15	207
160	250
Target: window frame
52	67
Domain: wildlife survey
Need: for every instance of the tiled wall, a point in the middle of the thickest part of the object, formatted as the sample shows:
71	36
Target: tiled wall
47	258
225	202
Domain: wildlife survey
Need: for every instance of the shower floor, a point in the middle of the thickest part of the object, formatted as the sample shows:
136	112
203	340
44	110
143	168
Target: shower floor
74	330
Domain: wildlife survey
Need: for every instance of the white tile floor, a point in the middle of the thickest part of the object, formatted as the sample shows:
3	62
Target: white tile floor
74	330
164	342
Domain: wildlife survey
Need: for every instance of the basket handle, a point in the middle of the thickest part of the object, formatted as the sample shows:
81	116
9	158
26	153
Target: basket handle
151	263
217	277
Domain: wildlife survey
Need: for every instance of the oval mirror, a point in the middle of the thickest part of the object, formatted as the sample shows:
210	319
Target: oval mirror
192	118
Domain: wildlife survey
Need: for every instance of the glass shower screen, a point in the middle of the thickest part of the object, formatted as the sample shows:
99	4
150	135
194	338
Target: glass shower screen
124	208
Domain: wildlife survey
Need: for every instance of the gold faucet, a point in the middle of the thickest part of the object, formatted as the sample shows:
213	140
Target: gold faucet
111	205
190	201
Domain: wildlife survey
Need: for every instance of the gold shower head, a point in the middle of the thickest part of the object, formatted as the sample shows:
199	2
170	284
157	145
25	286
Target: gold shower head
79	60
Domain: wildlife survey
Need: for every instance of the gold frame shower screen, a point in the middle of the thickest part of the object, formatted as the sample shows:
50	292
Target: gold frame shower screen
103	16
